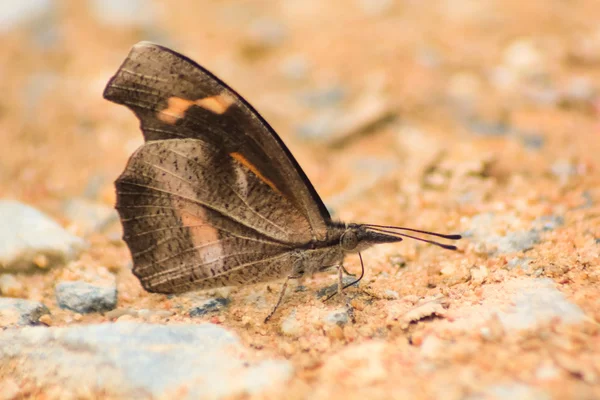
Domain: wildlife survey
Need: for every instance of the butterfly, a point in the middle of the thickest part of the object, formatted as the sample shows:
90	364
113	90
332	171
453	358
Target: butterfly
213	197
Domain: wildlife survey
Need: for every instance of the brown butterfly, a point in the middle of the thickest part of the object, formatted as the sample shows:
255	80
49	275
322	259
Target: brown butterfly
214	197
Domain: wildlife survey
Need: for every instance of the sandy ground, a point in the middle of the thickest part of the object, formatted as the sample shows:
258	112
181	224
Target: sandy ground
477	117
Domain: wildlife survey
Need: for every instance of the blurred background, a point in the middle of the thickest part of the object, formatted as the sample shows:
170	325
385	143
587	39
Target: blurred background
433	98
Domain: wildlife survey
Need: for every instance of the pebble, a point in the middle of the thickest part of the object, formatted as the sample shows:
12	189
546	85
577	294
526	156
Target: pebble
523	263
118	12
294	67
125	359
27	235
512	391
16	12
483	234
84	298
325	97
209	306
89	216
338	317
563	170
536	301
290	325
10	286
524	58
331	289
19	312
267	32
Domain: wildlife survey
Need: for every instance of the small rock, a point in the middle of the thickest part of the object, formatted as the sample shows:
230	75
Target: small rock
520	262
516	241
331	289
27	234
267	32
548	222
294	67
337	317
90	216
563	170
118	12
290	325
525	58
125	359
515	391
13	13
10	286
537	301
209	306
532	141
428	309
484	236
85	298
580	91
19	312
431	347
325	97
479	274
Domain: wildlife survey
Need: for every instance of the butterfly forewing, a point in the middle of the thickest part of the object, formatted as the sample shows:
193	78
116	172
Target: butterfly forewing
175	98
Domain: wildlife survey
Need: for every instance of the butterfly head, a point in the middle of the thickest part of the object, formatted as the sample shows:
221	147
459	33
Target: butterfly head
358	237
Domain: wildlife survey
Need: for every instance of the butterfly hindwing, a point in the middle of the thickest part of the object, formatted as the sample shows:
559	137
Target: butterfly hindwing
175	98
194	218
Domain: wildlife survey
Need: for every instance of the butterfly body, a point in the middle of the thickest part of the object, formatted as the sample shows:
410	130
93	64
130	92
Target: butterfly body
214	197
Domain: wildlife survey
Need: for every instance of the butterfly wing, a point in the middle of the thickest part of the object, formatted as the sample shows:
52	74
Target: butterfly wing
174	97
196	217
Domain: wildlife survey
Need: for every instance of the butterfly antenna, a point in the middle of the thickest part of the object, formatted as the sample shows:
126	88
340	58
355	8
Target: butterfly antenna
401	228
398	234
362	274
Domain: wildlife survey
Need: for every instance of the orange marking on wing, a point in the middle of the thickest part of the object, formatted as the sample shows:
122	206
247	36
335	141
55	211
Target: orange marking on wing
217	104
176	108
200	232
242	160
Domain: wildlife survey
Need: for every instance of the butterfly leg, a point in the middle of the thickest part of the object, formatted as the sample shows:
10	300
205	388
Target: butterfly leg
281	294
346	271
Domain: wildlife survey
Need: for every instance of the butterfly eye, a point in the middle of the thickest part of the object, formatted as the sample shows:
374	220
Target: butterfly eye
349	241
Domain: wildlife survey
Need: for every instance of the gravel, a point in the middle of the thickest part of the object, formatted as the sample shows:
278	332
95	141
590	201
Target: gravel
85	298
133	360
29	238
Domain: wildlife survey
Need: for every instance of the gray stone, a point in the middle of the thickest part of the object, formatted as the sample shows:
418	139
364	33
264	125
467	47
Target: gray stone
119	12
521	263
90	216
267	32
85	298
331	289
511	391
515	241
16	12
209	306
323	97
290	325
26	235
537	301
10	286
482	232
131	360
19	312
294	67
337	317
